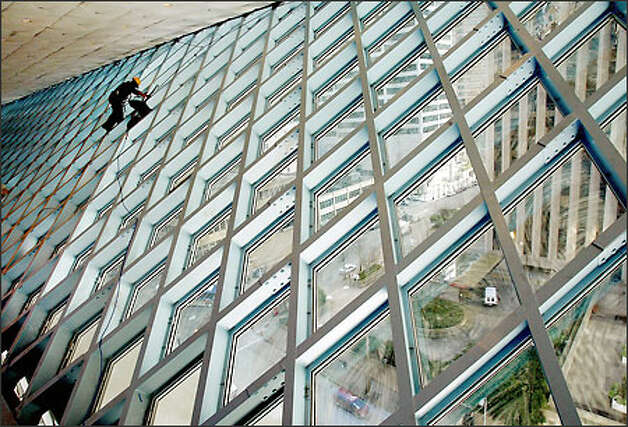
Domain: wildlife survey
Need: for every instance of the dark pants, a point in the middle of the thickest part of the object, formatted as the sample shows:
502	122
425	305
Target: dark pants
141	110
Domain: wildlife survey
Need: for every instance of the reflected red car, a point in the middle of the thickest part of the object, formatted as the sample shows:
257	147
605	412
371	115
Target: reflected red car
351	403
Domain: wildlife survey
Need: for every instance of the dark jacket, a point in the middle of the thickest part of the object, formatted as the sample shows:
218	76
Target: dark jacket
123	91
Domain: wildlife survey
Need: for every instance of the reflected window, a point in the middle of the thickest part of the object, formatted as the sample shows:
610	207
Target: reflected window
80	342
347	271
117	374
548	16
256	346
431	201
53	318
466	22
192	312
207	238
351	117
459	304
110	272
280	129
562	214
391	37
615	129
399	77
182	176
357	384
218	181
144	289
344	187
334	84
292	84
590	341
266	251
278	180
174	404
165	226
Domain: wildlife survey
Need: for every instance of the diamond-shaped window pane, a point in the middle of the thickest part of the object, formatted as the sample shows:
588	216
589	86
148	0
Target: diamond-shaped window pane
562	215
343	275
256	347
342	125
358	384
218	182
460	304
80	342
175	403
549	16
144	290
278	181
207	238
433	200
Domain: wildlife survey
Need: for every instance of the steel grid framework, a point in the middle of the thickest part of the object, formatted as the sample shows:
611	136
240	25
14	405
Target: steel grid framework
233	109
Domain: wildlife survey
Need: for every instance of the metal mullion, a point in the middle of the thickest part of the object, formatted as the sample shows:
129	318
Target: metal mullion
210	327
402	367
616	177
553	373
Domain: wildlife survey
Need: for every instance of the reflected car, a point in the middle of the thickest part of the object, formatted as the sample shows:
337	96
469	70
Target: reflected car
351	403
490	296
347	268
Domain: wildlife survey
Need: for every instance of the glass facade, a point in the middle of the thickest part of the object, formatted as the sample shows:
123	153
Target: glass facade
336	213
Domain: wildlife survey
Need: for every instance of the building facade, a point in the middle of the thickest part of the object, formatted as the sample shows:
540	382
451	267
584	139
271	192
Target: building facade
337	213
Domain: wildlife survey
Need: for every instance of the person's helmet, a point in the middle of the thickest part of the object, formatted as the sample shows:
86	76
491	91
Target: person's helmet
137	81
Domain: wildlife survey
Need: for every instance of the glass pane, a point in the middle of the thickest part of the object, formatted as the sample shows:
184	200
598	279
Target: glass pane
82	258
509	136
462	302
279	130
338	128
427	206
183	175
376	12
616	132
110	272
271	416
174	406
345	274
334	84
517	394
407	70
590	342
145	290
218	182
591	65
416	127
447	40
53	318
205	240
359	384
429	7
477	78
257	347
191	314
266	252
563	214
275	185
343	189
549	16
80	342
132	217
118	374
165	227
391	37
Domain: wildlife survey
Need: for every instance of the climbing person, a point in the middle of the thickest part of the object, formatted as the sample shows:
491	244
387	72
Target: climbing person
117	99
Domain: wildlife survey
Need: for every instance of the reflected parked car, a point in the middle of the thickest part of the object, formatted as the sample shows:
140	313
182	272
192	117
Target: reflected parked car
351	403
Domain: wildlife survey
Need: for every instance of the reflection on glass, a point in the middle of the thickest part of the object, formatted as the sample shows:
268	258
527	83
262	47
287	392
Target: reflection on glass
549	16
517	394
165	226
218	182
591	65
457	306
447	40
347	186
494	63
182	176
132	217
358	385
279	180
343	275
590	342
280	129
80	342
425	207
118	374
399	77
291	85
191	313
616	132
53	317
267	251
416	127
270	416
110	272
333	132
510	135
145	289
256	347
376	11
175	403
563	214
334	84
391	37
82	257
208	237
429	7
